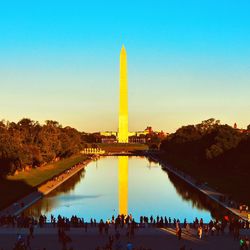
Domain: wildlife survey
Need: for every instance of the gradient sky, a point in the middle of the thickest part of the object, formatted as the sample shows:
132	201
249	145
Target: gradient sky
187	61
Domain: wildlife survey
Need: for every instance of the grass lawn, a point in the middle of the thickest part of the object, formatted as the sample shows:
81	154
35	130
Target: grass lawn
16	187
36	176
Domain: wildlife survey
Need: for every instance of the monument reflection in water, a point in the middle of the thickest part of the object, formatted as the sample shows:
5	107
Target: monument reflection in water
123	184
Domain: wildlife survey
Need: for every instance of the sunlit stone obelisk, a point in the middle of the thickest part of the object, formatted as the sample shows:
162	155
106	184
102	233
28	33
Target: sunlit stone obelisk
123	108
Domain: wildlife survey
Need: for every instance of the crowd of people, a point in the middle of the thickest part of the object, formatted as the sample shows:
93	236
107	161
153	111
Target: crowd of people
24	221
114	241
126	224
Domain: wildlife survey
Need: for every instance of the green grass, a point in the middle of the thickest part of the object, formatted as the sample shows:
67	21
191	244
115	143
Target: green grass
16	187
36	176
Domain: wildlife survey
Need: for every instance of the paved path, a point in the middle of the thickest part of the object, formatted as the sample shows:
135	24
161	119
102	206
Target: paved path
154	238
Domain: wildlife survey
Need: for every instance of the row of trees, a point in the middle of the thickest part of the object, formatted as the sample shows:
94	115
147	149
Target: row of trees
27	143
209	139
212	152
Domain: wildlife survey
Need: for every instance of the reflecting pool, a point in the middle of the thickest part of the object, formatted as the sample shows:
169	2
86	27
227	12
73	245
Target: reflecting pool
124	185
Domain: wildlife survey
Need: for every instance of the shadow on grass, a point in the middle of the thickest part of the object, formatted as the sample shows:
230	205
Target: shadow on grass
12	190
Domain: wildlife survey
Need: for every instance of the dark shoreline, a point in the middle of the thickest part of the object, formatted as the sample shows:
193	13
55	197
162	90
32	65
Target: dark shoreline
201	187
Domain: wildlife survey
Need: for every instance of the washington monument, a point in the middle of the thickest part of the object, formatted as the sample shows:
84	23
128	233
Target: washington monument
123	108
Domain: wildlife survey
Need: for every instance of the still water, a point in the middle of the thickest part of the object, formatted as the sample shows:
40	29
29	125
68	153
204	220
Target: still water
124	185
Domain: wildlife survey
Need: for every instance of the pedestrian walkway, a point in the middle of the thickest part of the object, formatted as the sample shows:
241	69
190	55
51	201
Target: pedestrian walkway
154	238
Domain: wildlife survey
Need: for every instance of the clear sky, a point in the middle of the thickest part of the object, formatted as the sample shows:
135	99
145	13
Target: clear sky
187	61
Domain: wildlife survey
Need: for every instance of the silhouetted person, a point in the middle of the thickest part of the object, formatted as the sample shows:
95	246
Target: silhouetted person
31	229
179	233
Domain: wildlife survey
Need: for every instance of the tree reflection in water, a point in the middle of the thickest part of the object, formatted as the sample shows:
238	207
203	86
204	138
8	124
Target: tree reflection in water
198	199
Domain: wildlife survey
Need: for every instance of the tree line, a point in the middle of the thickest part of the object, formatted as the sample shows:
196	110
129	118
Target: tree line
28	143
207	140
212	152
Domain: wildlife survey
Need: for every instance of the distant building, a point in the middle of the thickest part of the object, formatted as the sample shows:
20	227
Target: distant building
109	139
137	139
147	135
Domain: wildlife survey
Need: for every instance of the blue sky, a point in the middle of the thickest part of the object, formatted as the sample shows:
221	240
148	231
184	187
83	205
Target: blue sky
187	61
